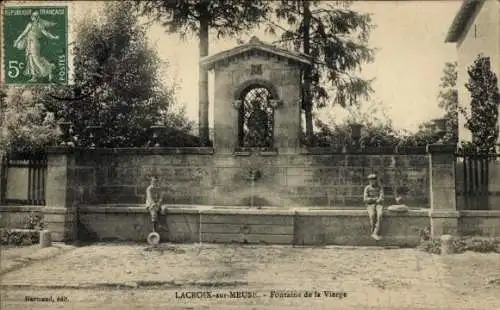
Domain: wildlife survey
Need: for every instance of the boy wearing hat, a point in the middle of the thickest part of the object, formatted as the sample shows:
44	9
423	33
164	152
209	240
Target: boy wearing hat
373	197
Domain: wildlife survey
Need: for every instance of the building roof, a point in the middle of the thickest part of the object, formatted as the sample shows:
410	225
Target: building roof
254	44
465	13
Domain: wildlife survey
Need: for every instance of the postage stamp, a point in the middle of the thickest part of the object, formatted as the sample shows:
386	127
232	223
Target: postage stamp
35	44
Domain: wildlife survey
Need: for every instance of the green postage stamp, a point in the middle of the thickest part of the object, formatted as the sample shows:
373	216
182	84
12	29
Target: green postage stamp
35	44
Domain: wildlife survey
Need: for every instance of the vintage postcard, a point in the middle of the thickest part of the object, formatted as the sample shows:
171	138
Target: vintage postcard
210	154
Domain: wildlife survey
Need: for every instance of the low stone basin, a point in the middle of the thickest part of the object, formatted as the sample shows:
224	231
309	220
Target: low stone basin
292	224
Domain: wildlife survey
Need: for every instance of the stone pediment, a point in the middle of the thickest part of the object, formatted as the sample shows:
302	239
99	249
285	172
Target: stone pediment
254	46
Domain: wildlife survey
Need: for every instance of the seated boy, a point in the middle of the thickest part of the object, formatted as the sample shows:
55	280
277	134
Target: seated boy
373	197
154	197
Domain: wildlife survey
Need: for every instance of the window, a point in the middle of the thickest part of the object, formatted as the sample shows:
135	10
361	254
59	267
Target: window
256	118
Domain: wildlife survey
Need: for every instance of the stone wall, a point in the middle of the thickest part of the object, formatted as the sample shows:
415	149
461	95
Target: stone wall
201	177
17	216
479	223
182	224
193	224
197	224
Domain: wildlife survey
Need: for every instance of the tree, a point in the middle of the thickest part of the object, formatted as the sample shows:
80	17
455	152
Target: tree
118	71
482	120
448	100
335	38
27	128
225	17
377	130
427	133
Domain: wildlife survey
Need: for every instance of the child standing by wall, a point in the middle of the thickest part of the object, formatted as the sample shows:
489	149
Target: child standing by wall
373	197
154	197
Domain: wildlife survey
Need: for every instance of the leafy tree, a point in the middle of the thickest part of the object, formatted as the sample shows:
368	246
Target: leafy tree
117	79
336	38
225	17
448	100
482	120
27	128
377	130
426	134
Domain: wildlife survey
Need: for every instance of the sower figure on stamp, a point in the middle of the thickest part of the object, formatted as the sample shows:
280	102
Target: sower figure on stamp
154	197
373	197
30	41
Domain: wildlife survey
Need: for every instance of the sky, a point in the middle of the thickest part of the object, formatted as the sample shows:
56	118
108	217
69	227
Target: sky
409	36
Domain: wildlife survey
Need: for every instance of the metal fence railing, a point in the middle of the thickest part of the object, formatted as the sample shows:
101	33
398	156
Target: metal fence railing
476	179
23	181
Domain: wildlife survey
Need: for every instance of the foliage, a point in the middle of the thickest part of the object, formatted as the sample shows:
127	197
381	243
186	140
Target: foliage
477	245
335	38
464	244
118	82
227	18
19	237
34	221
377	130
426	134
432	246
448	100
27	127
372	135
482	120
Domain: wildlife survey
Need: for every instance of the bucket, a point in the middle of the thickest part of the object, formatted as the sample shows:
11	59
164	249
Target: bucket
153	238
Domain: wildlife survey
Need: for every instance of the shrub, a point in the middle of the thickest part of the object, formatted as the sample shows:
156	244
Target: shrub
432	246
477	245
19	237
461	245
34	221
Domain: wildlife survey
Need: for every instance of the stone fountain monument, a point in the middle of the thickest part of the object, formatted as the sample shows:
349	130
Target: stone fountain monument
258	94
303	195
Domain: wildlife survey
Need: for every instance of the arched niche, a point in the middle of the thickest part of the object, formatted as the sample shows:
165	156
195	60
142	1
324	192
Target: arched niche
255	82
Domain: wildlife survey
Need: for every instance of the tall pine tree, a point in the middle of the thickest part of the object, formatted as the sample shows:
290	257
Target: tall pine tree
336	38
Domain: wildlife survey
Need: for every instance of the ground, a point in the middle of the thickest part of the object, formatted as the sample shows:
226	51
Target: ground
132	276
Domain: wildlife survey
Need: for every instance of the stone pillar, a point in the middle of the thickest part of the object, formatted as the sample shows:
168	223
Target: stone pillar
60	212
443	213
287	125
203	128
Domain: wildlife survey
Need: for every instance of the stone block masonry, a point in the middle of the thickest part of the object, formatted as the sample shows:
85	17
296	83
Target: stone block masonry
202	224
302	198
313	180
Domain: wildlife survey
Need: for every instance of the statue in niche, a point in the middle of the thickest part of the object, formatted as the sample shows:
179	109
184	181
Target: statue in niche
258	126
257	119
